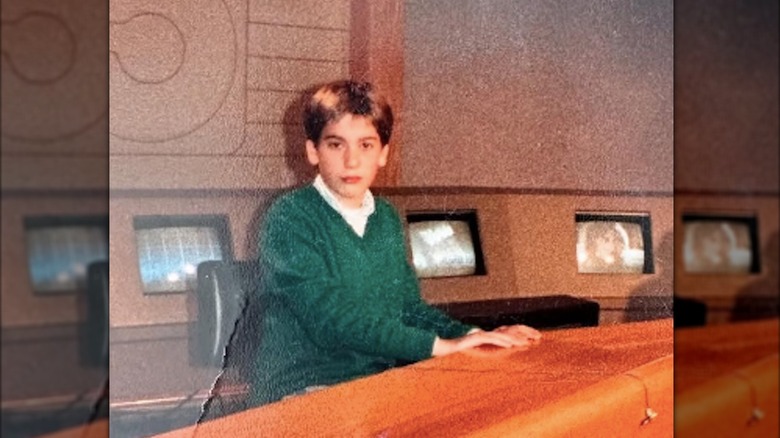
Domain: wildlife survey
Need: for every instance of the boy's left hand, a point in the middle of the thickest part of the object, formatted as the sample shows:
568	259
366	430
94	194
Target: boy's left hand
520	331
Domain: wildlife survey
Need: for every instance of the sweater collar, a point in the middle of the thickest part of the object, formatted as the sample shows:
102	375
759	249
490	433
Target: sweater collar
365	210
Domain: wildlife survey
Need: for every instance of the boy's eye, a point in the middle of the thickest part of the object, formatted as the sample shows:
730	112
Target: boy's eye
367	145
333	144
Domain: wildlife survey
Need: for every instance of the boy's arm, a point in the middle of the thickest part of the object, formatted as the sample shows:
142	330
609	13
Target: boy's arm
330	314
420	314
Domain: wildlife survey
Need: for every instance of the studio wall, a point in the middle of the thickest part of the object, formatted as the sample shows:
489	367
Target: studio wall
563	95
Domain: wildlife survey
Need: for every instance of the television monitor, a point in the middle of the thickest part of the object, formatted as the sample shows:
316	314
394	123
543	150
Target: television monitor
445	244
720	244
614	243
171	247
59	249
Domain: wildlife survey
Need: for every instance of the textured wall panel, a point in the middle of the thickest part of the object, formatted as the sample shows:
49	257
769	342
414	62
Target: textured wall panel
291	75
217	78
726	96
54	87
27	357
177	76
538	94
54	172
313	13
271	106
273	139
298	42
204	172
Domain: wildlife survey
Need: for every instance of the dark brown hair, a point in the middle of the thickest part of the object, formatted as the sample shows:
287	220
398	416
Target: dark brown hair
336	99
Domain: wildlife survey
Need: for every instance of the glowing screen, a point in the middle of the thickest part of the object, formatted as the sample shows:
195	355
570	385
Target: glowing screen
445	244
611	244
170	249
718	246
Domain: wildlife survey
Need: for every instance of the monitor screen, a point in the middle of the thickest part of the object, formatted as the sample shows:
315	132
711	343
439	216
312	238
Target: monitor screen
720	244
170	249
59	249
613	243
445	244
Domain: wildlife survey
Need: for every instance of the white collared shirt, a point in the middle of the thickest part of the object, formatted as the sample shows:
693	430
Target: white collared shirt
357	218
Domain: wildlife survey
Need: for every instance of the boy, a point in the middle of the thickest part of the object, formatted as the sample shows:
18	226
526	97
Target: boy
342	300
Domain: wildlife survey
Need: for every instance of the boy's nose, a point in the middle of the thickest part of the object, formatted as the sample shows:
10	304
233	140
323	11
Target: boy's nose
351	157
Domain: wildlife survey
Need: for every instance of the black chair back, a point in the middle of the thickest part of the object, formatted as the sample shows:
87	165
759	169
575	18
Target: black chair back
93	330
227	330
222	292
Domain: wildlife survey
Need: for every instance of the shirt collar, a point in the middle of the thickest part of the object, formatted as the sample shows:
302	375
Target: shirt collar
365	209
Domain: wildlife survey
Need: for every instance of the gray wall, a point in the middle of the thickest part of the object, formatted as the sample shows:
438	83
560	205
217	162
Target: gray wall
539	94
726	113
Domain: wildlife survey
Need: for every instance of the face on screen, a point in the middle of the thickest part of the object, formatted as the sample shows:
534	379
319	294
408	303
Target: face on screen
717	246
609	247
442	248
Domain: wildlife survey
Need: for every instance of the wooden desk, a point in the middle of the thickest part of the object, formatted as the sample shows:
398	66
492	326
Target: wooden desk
722	372
581	381
96	429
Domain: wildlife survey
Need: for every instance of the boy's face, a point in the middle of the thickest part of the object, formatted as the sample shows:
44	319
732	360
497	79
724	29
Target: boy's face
348	155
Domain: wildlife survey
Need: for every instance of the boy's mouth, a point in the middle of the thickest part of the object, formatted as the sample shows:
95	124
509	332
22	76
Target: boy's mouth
351	179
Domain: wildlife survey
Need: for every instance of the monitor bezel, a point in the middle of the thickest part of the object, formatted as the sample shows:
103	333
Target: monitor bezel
55	221
219	222
471	217
643	219
751	220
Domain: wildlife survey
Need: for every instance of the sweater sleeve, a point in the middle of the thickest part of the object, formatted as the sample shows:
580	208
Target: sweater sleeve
420	314
417	312
298	272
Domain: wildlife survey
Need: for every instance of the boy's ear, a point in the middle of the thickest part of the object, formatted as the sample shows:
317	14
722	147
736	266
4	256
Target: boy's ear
311	153
383	155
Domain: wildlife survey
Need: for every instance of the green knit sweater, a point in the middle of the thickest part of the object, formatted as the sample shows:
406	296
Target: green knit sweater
339	306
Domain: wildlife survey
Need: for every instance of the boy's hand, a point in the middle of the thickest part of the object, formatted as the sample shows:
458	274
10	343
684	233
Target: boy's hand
505	337
520	331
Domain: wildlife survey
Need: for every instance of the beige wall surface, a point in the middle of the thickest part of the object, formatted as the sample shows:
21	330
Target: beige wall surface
540	97
534	94
205	94
726	91
54	80
54	96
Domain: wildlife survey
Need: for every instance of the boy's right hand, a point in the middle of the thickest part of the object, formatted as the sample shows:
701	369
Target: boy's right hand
505	337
